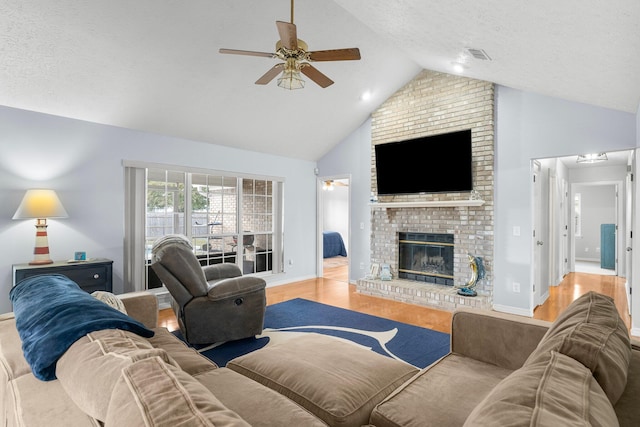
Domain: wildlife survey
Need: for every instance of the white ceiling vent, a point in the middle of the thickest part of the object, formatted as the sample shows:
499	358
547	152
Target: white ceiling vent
479	54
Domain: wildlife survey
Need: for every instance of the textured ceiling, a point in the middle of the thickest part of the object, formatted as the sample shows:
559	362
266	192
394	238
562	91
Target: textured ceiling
153	65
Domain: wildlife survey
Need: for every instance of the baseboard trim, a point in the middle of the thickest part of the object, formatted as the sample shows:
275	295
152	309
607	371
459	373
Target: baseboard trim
286	280
513	310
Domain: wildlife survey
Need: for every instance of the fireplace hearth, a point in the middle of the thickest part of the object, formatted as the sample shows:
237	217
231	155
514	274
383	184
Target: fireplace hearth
426	257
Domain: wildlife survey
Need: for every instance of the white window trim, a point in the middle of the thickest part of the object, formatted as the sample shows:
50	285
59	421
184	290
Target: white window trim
135	213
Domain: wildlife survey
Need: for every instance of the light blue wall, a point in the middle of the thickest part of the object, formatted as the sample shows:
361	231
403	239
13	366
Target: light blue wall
530	126
353	157
83	162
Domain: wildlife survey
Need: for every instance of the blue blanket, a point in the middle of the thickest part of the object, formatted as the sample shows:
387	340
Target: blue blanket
332	244
52	312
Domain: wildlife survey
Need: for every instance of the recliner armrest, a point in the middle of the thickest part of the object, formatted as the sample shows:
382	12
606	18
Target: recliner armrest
235	287
221	271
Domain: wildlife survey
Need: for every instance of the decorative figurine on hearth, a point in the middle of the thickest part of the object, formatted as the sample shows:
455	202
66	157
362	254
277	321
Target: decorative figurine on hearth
477	273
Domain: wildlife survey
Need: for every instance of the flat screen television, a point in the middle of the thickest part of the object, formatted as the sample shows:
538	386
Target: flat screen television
431	164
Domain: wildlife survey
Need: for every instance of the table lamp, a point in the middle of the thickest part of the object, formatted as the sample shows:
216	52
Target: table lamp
40	204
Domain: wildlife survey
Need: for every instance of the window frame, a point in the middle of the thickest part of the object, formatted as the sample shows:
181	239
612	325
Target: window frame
136	249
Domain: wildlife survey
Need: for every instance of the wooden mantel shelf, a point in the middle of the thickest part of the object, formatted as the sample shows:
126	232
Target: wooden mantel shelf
432	204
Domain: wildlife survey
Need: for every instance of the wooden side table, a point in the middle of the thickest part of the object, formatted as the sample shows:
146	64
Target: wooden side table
91	275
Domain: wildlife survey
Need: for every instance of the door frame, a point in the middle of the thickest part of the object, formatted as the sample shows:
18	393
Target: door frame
320	220
537	239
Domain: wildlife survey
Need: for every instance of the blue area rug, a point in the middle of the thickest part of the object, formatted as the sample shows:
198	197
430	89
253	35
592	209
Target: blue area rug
286	320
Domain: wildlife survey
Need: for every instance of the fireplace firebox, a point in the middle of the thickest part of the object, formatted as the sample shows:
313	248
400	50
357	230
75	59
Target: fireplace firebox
426	257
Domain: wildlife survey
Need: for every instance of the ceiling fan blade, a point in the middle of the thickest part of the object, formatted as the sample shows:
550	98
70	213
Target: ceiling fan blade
270	75
288	35
247	52
315	75
335	55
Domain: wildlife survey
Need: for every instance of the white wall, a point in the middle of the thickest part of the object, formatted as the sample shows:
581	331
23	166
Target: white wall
531	126
83	162
353	157
598	206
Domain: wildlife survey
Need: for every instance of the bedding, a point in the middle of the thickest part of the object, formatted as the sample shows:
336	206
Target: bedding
332	244
52	312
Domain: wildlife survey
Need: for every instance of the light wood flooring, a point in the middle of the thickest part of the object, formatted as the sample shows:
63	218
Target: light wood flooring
335	290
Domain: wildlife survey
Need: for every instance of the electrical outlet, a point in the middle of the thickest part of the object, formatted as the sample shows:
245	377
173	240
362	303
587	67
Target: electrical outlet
290	262
516	287
362	266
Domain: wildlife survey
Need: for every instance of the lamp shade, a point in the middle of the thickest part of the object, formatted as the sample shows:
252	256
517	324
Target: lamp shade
40	203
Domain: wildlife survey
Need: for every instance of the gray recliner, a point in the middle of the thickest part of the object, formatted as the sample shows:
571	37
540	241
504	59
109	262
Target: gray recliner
214	303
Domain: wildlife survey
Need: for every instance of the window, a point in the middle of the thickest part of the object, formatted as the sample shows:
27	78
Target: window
228	218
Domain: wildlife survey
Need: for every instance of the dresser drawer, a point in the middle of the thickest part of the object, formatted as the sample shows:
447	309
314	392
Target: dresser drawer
95	278
90	276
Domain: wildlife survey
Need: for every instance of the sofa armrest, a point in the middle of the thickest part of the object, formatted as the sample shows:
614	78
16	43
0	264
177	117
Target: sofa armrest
142	306
501	339
235	287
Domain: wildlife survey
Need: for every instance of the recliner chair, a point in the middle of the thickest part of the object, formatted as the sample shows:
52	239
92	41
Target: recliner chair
214	303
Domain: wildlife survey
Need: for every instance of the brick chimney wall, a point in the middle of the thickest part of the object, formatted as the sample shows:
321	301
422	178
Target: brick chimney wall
435	103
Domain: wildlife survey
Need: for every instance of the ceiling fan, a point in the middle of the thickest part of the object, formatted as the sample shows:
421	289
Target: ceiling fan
296	56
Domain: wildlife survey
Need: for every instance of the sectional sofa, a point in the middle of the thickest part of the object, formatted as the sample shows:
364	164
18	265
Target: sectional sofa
502	370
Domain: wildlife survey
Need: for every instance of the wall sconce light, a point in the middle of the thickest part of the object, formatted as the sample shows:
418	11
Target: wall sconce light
40	204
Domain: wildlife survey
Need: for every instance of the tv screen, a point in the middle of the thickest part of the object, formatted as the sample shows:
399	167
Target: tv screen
431	164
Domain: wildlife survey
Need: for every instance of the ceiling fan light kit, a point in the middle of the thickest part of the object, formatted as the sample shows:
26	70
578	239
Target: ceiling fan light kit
592	158
296	56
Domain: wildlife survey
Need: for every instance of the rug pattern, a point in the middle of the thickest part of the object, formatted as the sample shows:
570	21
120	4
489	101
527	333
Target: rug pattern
286	320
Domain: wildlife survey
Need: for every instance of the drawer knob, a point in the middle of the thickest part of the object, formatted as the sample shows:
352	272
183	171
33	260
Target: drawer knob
96	276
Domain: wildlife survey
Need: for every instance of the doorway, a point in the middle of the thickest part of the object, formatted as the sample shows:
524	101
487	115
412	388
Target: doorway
333	210
578	201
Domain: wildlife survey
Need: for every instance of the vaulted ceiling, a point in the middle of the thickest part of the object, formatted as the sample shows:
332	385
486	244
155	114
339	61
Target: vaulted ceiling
153	65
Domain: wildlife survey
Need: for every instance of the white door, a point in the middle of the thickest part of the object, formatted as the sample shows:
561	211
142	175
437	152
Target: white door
628	234
537	234
565	210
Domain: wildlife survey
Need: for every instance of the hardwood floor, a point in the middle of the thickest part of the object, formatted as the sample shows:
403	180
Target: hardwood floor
337	292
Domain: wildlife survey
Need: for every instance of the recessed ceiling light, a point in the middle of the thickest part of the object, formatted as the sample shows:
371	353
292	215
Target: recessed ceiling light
365	96
458	67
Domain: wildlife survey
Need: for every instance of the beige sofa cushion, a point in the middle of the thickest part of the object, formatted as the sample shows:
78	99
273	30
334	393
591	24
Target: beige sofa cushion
591	331
338	382
151	393
31	402
255	403
90	368
186	357
444	394
560	392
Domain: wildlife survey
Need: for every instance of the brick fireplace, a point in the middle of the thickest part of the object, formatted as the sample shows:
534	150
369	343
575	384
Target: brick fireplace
426	257
435	103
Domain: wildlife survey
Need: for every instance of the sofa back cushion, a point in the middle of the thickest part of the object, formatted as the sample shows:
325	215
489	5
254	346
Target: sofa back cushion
153	393
556	392
591	331
89	370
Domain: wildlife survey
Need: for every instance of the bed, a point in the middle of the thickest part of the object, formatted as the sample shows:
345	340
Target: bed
332	244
